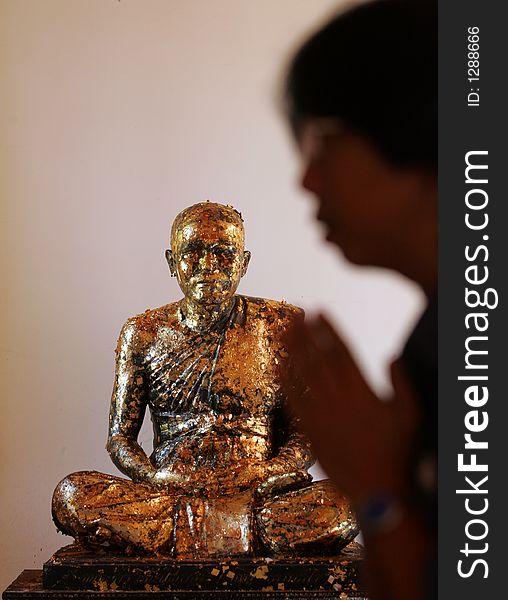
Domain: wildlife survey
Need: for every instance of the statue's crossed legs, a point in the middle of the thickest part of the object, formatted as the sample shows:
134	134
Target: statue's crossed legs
113	512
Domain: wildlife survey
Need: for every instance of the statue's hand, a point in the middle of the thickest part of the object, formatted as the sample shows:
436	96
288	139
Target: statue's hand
167	478
267	478
283	482
245	475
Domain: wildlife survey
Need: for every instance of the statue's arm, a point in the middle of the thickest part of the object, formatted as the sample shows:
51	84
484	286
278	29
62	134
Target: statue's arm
291	459
128	405
292	447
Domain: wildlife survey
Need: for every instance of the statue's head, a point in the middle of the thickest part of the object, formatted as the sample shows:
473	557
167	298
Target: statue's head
207	254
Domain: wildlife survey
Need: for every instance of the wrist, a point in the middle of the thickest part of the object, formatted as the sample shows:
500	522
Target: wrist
380	512
145	475
280	466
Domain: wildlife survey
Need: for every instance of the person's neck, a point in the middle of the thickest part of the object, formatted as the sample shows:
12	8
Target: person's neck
417	257
204	316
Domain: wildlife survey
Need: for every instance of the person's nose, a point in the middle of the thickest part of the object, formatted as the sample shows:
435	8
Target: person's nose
208	261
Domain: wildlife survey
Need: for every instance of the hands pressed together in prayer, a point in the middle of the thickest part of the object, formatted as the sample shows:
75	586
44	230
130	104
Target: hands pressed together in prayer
362	442
365	445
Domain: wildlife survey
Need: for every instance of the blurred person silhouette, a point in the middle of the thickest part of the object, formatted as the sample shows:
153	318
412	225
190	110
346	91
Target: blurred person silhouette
361	98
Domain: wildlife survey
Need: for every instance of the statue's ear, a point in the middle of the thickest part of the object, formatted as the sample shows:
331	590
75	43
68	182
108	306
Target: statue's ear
246	260
171	262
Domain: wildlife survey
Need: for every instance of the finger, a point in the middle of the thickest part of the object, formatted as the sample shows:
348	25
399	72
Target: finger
327	340
312	369
290	354
299	344
316	352
337	358
302	352
337	387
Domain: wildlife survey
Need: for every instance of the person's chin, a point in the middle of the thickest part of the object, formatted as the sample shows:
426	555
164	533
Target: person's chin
217	298
334	239
351	252
210	288
357	256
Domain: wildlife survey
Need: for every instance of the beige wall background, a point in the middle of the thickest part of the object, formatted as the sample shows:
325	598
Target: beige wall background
114	116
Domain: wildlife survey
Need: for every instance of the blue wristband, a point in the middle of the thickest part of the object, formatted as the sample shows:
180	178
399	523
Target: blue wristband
380	514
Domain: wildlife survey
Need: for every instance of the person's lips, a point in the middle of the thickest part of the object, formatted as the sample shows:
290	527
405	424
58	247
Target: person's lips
211	280
209	283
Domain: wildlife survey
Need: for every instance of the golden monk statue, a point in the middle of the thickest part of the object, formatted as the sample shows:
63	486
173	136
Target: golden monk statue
228	472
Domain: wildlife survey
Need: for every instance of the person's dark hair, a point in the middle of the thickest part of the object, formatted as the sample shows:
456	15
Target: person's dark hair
375	68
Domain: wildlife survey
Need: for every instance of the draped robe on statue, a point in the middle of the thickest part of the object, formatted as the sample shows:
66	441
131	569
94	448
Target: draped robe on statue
241	484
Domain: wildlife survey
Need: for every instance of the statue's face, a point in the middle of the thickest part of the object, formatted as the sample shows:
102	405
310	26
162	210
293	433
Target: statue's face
208	259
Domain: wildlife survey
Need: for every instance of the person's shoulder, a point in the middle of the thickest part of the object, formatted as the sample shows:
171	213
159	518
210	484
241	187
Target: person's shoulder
273	309
145	326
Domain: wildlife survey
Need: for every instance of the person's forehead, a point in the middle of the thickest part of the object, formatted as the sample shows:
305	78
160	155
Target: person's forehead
209	232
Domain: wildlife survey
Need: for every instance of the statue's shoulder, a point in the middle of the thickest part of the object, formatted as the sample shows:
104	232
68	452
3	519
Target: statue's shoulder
144	327
272	310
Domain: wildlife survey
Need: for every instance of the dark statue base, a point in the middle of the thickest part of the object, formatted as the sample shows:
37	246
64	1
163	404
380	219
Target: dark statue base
74	573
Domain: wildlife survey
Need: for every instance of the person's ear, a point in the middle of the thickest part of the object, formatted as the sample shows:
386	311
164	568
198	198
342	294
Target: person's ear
246	259
171	262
